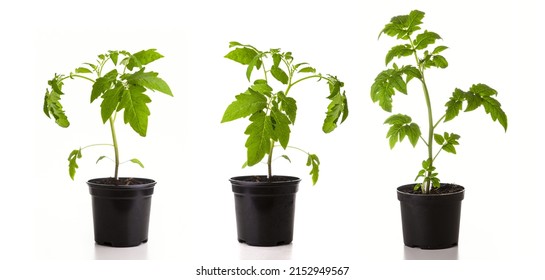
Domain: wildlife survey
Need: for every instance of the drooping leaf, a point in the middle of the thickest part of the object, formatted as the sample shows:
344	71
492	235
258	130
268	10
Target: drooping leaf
114	56
52	102
72	162
337	110
287	158
100	158
255	63
493	107
260	133
314	161
242	55
136	111
143	58
245	105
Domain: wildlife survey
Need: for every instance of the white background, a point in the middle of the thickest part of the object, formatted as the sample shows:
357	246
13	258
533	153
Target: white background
351	217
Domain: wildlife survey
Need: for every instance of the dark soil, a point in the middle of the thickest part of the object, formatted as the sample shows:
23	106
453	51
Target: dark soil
121	181
444	189
257	179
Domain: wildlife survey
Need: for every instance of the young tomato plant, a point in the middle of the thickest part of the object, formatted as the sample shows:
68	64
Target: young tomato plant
121	88
395	79
272	112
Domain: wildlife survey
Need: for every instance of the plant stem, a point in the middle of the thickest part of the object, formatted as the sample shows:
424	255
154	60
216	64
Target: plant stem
116	150
300	80
269	162
83	77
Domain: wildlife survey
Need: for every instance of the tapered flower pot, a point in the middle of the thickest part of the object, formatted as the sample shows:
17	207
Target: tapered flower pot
265	209
431	221
121	213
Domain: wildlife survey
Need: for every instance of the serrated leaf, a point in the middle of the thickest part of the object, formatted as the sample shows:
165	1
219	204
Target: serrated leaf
242	55
281	127
307	70
72	162
314	161
255	63
398	51
483	90
289	106
454	105
262	88
52	105
134	160
493	107
245	105
336	110
401	126
110	102
83	70
143	58
149	80
404	25
260	132
136	113
103	84
425	39
279	75
449	148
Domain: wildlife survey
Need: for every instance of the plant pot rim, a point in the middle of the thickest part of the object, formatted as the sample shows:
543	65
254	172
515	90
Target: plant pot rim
430	194
239	180
123	191
148	183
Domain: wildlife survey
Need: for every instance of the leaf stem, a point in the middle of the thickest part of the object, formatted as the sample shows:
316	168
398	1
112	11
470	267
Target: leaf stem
439	121
83	77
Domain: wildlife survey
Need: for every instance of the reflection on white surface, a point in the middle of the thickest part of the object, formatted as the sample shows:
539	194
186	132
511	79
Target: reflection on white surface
283	252
129	253
419	254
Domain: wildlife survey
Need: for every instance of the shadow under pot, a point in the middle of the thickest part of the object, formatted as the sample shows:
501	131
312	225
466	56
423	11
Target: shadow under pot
431	221
265	209
121	212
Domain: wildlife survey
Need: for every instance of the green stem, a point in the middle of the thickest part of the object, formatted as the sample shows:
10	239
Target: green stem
300	80
94	145
439	121
431	127
116	150
269	162
83	77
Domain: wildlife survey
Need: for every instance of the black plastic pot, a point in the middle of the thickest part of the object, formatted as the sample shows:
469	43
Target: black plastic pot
430	221
121	213
265	209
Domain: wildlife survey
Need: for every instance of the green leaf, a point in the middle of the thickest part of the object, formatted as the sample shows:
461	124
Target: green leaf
83	70
403	26
439	61
439	139
242	55
52	105
337	108
439	49
493	107
103	84
134	160
143	58
279	75
307	70
411	72
387	82
314	161
134	102
483	90
277	58
255	63
401	126
149	80
234	44
114	56
451	140
260	133
399	51
100	158
72	164
454	105
281	127
245	105
110	102
262	88
289	106
425	39
287	158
